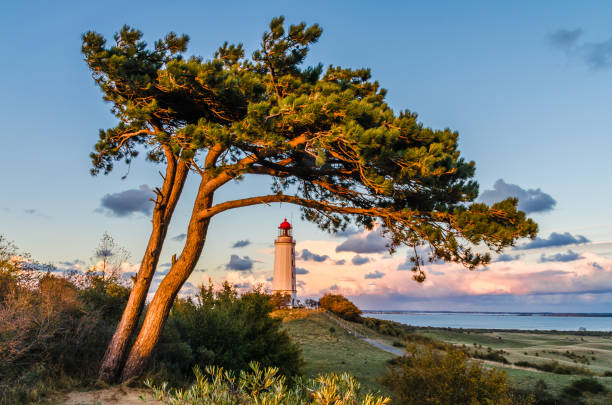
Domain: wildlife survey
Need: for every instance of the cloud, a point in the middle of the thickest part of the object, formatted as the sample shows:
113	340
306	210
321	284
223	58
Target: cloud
506	258
597	265
128	202
301	270
340	262
596	55
373	242
450	286
32	211
307	255
555	239
407	265
241	243
570	256
179	238
242	285
346	233
565	39
240	264
76	263
530	201
333	287
359	260
163	268
376	274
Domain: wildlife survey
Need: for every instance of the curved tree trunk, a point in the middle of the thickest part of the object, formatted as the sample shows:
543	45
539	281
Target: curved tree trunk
167	198
167	291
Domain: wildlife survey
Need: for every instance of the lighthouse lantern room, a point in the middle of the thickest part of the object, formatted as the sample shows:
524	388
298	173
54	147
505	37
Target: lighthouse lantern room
284	263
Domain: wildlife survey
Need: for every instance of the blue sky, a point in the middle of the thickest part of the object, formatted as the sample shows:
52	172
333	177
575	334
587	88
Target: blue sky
526	84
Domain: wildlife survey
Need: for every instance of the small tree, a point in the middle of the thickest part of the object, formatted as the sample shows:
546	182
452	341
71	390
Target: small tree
425	376
108	258
327	140
339	305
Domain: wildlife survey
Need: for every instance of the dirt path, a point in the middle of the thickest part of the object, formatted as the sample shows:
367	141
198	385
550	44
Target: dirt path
376	343
399	352
382	346
110	396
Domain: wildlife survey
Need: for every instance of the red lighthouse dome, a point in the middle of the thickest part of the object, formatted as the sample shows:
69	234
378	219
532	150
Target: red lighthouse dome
284	229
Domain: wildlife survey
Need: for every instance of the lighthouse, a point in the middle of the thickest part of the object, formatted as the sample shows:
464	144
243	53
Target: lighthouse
284	263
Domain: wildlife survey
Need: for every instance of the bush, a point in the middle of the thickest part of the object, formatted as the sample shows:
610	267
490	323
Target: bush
341	306
491	355
425	376
578	387
555	367
265	386
224	329
49	338
388	328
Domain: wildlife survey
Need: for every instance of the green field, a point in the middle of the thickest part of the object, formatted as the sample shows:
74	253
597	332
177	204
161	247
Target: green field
593	353
326	351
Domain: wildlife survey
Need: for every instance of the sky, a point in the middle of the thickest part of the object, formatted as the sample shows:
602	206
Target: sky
526	84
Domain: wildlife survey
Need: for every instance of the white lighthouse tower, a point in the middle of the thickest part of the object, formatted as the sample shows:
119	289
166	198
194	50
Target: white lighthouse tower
284	263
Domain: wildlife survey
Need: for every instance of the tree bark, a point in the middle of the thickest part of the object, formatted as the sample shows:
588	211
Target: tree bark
167	198
167	291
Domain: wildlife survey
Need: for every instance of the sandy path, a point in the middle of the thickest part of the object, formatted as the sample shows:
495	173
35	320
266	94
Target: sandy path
113	395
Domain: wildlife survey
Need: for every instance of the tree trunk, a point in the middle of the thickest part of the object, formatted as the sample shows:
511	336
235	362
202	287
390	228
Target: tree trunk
163	299
176	173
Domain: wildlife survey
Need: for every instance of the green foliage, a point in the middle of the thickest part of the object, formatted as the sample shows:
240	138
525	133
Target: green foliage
555	367
426	376
223	329
572	394
341	306
265	386
583	385
326	136
492	355
107	296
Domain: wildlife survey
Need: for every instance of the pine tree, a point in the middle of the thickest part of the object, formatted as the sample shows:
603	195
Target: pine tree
326	137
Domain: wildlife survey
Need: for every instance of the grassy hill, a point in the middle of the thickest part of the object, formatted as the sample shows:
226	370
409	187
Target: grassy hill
327	347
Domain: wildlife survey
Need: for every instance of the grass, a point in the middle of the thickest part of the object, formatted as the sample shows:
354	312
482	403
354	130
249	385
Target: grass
325	351
540	349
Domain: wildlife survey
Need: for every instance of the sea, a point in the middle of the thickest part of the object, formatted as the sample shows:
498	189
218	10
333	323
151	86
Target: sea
499	320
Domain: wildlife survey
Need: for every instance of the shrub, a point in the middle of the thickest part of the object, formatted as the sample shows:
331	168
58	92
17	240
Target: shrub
49	338
555	367
223	329
341	306
578	387
265	386
426	376
491	355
